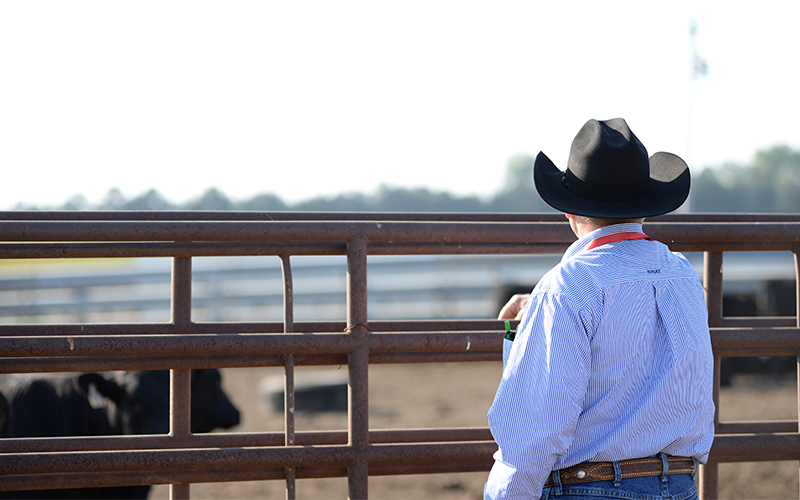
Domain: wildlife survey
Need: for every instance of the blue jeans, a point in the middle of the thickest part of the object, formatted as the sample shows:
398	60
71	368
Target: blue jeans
673	487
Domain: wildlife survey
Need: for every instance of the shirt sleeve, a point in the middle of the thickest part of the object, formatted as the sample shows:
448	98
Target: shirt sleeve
540	397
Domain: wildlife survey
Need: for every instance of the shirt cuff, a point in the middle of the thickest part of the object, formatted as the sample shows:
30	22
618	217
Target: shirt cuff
499	484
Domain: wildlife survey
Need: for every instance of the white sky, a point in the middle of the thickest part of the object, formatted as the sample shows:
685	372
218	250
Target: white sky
306	98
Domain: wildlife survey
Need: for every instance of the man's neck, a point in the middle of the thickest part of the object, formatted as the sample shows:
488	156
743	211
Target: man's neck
582	226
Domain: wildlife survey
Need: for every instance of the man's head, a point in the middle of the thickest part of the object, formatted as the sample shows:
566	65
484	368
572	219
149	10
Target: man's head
609	176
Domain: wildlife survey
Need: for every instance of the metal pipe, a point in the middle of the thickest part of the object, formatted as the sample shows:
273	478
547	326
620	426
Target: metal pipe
323	231
113	329
180	413
210	215
174	459
708	479
757	447
759	427
232	249
207	215
797	313
227	344
358	367
243	458
181	288
288	388
180	380
179	491
730	341
235	439
765	447
385	231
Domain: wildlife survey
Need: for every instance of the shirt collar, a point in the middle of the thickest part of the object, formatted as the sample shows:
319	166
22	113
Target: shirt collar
582	243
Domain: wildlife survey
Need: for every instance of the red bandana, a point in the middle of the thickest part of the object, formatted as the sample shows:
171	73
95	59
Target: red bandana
613	238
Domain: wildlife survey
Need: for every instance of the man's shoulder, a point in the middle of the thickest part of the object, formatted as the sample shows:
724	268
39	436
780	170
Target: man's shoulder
574	277
593	271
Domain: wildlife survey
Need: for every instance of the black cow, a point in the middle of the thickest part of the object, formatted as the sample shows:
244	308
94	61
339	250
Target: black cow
5	416
95	404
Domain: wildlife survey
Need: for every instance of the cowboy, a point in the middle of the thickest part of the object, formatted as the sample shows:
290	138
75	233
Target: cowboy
607	386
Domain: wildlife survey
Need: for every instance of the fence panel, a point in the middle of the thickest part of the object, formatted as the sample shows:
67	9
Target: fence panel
180	457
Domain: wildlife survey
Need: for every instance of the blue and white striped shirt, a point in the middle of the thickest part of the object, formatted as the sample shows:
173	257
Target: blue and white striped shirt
612	360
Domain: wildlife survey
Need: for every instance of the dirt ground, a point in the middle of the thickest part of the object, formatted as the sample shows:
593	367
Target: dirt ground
458	395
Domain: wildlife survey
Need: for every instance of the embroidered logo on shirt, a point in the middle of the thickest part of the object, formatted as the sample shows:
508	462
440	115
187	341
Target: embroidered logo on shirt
654	271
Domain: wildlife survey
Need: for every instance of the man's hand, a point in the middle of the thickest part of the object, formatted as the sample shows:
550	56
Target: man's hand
514	306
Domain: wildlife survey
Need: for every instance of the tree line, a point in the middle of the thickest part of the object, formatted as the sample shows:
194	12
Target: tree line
770	183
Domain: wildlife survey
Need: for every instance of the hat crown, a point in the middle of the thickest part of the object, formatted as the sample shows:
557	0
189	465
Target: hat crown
608	162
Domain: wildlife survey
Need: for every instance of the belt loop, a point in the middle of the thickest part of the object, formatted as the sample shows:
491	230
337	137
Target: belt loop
696	466
617	473
557	483
664	467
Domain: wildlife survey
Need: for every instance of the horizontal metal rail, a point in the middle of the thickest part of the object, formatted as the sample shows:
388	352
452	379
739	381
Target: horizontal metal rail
760	447
180	458
782	234
210	215
727	342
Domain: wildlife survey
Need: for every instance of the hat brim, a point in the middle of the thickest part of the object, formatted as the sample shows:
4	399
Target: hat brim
669	188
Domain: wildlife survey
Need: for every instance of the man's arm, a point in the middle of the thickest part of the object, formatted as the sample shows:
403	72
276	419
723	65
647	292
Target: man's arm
540	397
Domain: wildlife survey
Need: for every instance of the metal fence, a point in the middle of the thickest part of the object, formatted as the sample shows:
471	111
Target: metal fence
181	458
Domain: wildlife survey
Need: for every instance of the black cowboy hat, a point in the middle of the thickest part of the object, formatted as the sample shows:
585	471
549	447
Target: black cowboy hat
609	176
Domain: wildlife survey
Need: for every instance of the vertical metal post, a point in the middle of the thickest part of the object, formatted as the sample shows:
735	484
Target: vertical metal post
797	313
712	282
288	365
291	482
180	404
180	380
179	491
358	367
181	303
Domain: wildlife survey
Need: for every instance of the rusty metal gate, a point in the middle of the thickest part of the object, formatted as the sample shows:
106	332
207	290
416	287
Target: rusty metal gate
181	458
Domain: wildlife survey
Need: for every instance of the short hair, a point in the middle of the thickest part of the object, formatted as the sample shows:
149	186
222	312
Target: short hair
599	222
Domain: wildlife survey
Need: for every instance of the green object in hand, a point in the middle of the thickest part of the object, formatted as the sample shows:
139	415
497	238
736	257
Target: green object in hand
510	334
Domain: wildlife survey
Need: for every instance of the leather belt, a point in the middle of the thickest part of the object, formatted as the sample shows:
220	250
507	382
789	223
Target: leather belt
604	471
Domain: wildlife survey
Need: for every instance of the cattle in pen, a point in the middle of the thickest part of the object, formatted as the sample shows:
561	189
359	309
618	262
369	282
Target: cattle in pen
113	403
5	416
